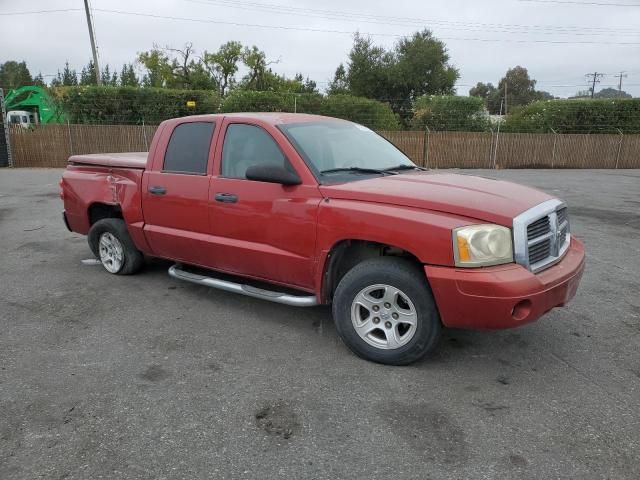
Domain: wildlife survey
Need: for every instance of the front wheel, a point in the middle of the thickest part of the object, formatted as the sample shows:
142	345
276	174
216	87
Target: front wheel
384	311
109	240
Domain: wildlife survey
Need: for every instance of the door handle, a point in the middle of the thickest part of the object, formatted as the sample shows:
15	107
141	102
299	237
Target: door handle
226	197
157	190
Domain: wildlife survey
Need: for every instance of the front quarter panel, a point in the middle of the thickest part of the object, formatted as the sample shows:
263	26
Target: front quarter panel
425	234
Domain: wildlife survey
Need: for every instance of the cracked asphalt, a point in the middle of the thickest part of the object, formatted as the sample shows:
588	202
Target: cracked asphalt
145	377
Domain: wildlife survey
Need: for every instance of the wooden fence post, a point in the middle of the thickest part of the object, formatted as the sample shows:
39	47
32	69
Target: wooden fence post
70	139
553	154
495	148
144	136
619	146
425	155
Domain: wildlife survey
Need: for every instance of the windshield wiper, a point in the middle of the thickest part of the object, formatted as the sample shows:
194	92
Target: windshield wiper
404	166
358	170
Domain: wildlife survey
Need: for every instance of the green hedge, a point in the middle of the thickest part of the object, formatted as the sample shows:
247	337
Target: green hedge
450	113
576	116
371	113
131	105
367	112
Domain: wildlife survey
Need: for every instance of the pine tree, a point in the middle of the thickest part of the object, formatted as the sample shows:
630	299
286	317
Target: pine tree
128	76
88	74
69	77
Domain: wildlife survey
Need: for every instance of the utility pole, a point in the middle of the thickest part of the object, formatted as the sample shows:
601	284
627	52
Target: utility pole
93	42
596	79
621	75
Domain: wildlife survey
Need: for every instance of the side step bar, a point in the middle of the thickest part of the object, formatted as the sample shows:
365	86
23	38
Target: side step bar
278	297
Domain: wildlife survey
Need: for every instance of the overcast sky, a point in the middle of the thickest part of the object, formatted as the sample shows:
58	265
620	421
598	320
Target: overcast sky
558	41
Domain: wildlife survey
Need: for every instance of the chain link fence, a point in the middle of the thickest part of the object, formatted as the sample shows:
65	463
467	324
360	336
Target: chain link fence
52	145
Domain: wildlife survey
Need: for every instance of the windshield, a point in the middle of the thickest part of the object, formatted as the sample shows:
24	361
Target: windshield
344	148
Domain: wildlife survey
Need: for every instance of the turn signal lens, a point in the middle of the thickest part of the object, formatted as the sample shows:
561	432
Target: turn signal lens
482	245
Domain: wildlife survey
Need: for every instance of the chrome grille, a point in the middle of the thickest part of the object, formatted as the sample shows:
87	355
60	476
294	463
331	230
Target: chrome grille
562	215
541	235
539	251
538	228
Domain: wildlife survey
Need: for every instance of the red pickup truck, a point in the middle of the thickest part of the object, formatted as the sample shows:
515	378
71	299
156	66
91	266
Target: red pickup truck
307	210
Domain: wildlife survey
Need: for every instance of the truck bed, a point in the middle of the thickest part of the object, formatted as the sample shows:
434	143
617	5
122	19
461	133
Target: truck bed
113	160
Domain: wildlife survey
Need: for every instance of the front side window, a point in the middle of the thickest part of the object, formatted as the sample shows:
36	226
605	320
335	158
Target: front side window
188	149
248	145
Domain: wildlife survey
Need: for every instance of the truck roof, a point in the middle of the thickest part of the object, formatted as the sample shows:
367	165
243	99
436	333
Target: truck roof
274	118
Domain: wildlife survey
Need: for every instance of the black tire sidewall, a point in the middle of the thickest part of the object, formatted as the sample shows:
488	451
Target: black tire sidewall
132	256
400	274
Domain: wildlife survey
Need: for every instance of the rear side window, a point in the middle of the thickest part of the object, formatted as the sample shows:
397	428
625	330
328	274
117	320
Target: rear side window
188	149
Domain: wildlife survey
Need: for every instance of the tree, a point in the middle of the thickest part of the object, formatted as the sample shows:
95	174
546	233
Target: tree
340	83
416	66
177	68
128	76
259	77
68	77
304	85
14	74
88	74
223	65
520	88
158	69
107	78
612	93
489	93
38	80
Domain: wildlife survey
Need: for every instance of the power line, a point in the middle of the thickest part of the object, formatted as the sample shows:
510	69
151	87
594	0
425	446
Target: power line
585	4
420	23
320	30
42	11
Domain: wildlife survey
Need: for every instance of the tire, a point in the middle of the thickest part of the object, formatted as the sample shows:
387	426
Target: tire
110	242
404	332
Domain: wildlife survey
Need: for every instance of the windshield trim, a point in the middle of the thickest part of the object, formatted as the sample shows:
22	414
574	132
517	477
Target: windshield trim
333	178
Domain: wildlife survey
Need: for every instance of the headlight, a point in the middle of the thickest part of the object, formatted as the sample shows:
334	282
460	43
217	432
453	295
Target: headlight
482	245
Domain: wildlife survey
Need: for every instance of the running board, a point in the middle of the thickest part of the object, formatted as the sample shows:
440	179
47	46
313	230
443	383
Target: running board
278	297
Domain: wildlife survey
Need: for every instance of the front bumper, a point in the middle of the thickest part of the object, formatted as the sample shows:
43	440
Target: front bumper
504	296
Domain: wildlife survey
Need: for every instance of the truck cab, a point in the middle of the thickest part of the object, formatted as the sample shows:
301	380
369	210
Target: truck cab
22	118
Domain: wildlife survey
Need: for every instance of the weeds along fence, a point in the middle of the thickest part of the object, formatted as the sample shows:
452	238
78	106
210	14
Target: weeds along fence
52	145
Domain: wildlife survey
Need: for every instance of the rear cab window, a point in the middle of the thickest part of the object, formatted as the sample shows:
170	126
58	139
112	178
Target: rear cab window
188	148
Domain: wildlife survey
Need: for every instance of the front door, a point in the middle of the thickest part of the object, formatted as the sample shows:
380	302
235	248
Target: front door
175	195
264	230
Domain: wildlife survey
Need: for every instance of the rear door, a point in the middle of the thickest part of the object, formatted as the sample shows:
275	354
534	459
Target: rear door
175	193
263	230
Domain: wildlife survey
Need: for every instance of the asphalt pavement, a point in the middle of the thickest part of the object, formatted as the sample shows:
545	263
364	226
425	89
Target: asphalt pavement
103	376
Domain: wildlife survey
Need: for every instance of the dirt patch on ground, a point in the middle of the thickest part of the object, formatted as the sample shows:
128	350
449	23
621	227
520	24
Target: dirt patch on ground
278	419
428	430
154	373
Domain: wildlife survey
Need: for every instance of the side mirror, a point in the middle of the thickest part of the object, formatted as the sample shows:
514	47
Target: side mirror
272	174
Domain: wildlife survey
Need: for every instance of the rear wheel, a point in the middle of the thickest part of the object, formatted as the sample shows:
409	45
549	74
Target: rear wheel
109	240
384	311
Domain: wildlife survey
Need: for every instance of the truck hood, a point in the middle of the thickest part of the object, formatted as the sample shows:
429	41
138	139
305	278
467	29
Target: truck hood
485	199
